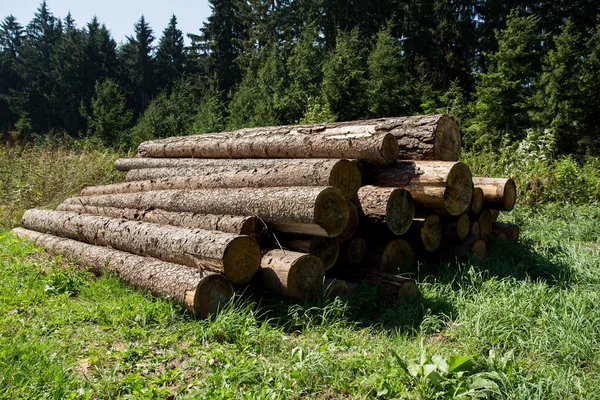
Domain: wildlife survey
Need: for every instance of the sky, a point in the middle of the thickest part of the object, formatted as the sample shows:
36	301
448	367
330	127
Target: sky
119	16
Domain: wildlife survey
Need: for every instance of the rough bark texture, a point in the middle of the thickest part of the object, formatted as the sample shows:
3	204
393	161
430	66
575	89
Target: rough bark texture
239	225
440	186
201	292
477	201
457	228
305	210
360	141
291	274
383	205
352	225
344	175
238	257
325	249
506	231
498	193
427	232
396	256
389	286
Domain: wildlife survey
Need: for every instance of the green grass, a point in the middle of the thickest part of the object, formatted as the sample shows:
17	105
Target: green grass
526	322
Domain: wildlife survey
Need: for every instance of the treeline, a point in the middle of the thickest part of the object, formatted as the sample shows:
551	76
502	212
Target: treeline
508	70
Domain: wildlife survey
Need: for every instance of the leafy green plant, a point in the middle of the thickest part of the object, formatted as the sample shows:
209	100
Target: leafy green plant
64	281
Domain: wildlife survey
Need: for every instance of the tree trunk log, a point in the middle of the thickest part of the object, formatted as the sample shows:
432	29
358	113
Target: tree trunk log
238	257
475	230
506	231
239	225
389	286
352	225
457	229
472	247
477	201
395	257
495	214
390	206
324	248
498	193
200	292
362	142
306	210
440	186
333	288
291	274
485	222
344	175
352	252
427	232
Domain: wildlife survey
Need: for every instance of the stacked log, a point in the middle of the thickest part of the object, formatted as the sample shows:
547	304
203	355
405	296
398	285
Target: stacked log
293	210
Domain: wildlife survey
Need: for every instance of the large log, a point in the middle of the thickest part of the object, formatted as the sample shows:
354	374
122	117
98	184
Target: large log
396	256
457	228
385	206
201	292
389	286
306	210
498	193
440	186
324	248
240	225
344	175
362	142
238	257
291	274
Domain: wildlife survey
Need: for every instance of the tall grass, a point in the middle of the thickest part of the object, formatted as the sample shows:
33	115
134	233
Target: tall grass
44	176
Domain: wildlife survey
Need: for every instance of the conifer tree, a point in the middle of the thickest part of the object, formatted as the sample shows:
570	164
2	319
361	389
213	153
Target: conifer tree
170	55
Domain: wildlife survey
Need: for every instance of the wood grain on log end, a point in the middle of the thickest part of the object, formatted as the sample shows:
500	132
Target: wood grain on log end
326	249
398	256
476	229
333	288
447	139
331	211
352	225
479	250
459	189
390	149
241	260
400	211
290	273
498	193
211	295
356	251
430	233
346	176
485	222
477	202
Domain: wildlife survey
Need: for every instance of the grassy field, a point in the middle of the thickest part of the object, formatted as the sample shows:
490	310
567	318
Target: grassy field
525	323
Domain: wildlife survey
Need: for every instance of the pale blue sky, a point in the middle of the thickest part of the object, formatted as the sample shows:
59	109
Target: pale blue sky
119	16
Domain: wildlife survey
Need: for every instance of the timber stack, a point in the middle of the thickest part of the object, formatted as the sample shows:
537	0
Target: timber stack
292	210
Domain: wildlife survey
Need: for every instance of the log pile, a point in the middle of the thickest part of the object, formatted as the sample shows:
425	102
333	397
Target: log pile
292	210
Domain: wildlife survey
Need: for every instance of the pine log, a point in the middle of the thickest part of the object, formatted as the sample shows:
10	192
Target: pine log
396	256
200	292
485	222
427	232
385	206
352	252
389	286
352	225
477	201
291	274
239	225
315	211
345	175
498	193
440	186
457	229
333	288
472	247
476	230
506	231
362	142
324	248
238	257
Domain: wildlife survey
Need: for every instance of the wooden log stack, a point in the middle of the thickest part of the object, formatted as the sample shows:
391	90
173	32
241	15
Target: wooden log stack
292	210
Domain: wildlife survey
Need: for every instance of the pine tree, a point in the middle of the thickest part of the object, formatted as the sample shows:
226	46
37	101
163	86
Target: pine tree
11	43
170	55
109	118
100	57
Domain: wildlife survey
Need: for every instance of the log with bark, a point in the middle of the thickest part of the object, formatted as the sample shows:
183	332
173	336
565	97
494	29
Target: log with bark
458	228
319	211
498	193
396	256
389	286
238	257
506	231
291	274
324	248
240	225
362	142
440	186
345	175
200	292
379	206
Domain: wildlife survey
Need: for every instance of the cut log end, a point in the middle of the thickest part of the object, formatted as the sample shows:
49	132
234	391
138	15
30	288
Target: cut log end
305	276
510	195
211	295
333	288
477	202
447	139
398	257
506	231
485	222
400	211
326	249
331	211
346	176
241	260
431	233
352	225
459	189
357	249
479	250
390	149
475	229
463	226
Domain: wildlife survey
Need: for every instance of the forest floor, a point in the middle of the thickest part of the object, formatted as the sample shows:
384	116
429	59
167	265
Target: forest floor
524	323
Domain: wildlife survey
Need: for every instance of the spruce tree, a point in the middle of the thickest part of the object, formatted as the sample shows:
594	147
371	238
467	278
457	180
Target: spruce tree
170	55
11	42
